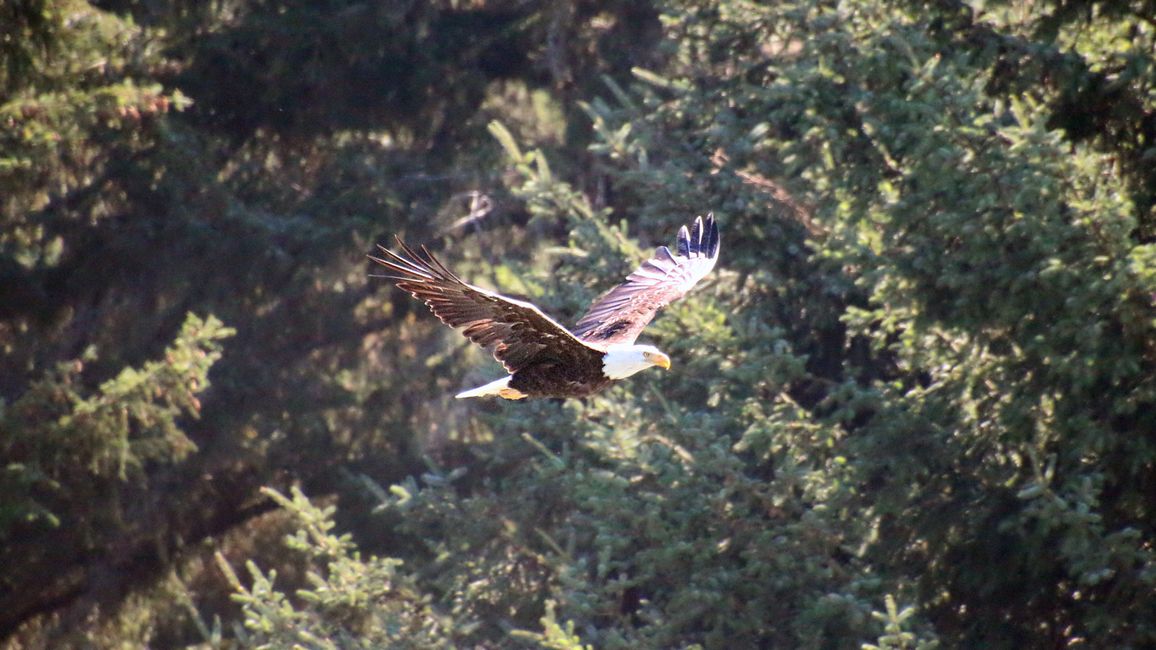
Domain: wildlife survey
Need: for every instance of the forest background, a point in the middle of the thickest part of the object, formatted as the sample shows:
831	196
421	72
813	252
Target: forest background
914	405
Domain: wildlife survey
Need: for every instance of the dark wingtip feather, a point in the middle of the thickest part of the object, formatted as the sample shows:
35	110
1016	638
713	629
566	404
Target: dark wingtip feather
701	240
395	278
416	268
712	236
407	265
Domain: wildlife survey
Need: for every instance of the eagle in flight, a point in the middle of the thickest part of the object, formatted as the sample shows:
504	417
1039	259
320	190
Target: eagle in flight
543	358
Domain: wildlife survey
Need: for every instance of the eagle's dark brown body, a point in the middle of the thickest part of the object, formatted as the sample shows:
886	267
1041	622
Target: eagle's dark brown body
555	377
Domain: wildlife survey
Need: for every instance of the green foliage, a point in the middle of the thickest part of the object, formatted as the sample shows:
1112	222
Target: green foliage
894	637
554	636
350	602
62	442
74	96
923	373
77	458
27	31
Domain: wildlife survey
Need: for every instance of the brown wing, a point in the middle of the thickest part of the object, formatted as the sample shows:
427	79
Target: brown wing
620	315
515	332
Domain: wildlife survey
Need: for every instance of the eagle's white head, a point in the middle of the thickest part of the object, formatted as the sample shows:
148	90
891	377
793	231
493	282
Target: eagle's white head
622	359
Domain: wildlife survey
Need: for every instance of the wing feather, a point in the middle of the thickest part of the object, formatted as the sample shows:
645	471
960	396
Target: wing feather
621	314
514	331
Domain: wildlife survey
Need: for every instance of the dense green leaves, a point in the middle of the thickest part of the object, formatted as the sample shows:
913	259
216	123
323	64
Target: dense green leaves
72	455
914	404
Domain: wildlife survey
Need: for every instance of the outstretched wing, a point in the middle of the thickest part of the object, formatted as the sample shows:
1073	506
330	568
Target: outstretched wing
620	315
515	332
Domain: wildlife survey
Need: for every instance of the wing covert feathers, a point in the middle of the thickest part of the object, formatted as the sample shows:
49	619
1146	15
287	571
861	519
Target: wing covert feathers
514	331
620	315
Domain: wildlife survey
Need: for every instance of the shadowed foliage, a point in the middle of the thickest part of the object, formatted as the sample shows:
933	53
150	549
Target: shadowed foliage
913	405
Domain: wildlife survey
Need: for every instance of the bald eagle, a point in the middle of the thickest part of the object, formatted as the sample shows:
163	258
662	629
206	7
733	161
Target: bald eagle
543	358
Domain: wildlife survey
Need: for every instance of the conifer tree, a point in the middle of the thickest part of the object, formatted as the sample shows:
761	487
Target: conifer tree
913	405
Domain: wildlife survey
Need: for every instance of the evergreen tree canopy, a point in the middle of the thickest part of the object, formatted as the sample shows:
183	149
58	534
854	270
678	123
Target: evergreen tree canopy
914	404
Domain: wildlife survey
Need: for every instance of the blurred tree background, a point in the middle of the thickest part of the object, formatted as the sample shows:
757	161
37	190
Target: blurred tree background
915	405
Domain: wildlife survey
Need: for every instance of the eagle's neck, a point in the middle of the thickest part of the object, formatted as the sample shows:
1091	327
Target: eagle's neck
623	360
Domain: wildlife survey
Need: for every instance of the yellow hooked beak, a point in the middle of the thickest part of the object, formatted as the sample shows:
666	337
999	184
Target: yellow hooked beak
659	359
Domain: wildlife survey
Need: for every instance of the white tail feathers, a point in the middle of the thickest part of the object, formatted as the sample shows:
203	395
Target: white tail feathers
499	388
